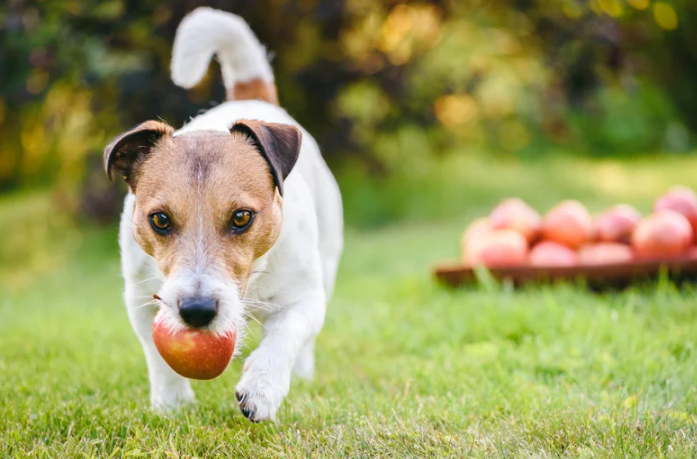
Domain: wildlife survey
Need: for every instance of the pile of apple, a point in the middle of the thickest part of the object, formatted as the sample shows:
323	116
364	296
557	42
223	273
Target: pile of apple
515	234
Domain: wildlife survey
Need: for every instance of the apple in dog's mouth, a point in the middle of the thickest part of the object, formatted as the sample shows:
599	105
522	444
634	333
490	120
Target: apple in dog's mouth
193	353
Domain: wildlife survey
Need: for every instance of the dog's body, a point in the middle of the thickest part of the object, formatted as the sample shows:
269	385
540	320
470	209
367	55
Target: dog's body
280	268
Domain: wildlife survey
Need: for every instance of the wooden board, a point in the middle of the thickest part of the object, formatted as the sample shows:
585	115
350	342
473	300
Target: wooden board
595	276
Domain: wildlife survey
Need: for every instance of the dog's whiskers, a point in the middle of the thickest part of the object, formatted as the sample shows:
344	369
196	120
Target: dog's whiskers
254	319
258	307
253	302
141	296
148	303
146	280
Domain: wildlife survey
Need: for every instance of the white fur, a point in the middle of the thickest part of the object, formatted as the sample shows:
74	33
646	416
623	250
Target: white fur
291	282
205	32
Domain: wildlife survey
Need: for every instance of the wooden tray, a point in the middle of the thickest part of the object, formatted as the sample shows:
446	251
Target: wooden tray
594	276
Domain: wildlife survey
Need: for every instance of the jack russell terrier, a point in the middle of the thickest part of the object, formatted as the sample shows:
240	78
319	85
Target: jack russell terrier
233	216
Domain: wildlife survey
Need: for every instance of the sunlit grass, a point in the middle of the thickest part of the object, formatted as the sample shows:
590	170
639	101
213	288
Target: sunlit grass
406	368
464	184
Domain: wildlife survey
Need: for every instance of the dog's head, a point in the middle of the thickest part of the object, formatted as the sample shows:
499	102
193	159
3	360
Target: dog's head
207	205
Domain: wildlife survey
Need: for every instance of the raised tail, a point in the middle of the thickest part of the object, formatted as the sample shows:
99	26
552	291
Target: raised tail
246	70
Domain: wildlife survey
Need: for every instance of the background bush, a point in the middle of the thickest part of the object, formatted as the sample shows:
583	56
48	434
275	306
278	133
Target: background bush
390	89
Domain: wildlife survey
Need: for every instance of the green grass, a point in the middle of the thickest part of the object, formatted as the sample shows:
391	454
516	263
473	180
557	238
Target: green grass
406	368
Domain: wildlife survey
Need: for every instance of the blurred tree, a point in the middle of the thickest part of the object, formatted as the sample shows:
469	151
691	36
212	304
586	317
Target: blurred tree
385	86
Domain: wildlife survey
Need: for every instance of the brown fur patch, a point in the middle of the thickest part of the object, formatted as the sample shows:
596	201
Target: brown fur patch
199	179
127	152
256	89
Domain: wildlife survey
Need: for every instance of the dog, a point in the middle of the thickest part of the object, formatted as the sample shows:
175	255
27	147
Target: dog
235	216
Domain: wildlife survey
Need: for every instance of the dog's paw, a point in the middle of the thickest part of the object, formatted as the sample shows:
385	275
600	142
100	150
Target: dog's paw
168	401
260	393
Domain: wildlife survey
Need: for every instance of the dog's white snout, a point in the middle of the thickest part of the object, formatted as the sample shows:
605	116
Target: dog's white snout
191	298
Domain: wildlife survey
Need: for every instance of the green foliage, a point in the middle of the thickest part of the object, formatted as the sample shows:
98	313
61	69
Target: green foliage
387	87
631	122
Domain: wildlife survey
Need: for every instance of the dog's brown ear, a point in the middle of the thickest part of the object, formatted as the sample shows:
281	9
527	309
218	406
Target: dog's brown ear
128	151
279	144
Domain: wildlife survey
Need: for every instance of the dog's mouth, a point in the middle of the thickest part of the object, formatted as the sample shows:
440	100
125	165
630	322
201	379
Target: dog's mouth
178	314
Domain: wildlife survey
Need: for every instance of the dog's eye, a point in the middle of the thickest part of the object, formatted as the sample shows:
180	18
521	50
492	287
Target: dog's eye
161	222
241	219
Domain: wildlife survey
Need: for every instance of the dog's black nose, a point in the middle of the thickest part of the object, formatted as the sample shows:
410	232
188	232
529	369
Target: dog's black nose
198	311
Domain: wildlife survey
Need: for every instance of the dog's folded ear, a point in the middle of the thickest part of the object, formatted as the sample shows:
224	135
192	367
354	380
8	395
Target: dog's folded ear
128	151
279	144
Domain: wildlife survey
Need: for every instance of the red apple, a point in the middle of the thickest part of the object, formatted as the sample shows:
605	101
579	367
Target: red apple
605	253
515	214
500	248
476	229
663	234
692	252
568	223
616	224
193	353
682	200
552	254
471	240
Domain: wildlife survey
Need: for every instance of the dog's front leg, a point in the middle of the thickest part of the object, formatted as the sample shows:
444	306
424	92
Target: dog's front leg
267	371
168	390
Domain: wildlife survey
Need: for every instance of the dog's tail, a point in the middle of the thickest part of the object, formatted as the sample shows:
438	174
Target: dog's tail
246	70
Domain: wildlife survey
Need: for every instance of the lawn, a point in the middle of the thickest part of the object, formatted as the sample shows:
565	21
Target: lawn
406	368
